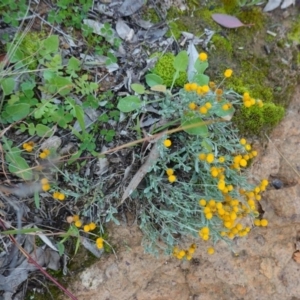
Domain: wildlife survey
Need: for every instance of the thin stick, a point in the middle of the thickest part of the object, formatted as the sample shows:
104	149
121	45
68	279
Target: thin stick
282	155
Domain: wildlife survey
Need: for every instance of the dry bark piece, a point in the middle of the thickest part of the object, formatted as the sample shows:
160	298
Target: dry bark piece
140	174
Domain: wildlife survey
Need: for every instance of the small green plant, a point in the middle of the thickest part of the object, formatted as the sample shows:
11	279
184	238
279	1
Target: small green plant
57	106
165	69
12	12
70	13
198	186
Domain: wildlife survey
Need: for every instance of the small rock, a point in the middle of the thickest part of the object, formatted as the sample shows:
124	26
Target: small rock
277	183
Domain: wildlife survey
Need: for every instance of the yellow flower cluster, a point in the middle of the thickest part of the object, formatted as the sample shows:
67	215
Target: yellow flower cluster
248	101
28	146
202	109
231	210
59	196
194	87
205	108
262	222
187	254
99	242
171	176
226	106
76	220
45	184
207	157
89	227
240	160
204	233
78	223
192	106
45	153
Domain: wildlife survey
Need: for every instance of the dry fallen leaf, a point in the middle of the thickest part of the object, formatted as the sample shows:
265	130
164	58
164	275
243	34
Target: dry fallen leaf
296	257
228	21
273	4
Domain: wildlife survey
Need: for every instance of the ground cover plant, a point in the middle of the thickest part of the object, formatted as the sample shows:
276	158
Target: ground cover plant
80	151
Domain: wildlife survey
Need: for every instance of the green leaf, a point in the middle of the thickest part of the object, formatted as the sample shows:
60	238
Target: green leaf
153	79
201	79
17	164
37	200
28	86
31	129
8	85
138	88
48	74
18	111
61	248
51	44
80	117
43	130
73	64
206	145
181	61
196	123
62	84
129	103
201	66
77	245
74	157
21	231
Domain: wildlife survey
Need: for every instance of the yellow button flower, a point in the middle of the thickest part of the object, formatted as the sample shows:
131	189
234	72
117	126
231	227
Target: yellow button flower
46	187
167	143
203	110
228	73
78	223
92	226
210	250
86	228
210	158
192	106
172	178
205	88
170	172
202	56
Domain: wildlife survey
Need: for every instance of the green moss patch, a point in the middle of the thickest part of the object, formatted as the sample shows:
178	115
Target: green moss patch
164	68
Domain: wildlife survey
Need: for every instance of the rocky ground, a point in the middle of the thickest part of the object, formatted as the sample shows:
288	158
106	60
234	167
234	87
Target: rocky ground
262	266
